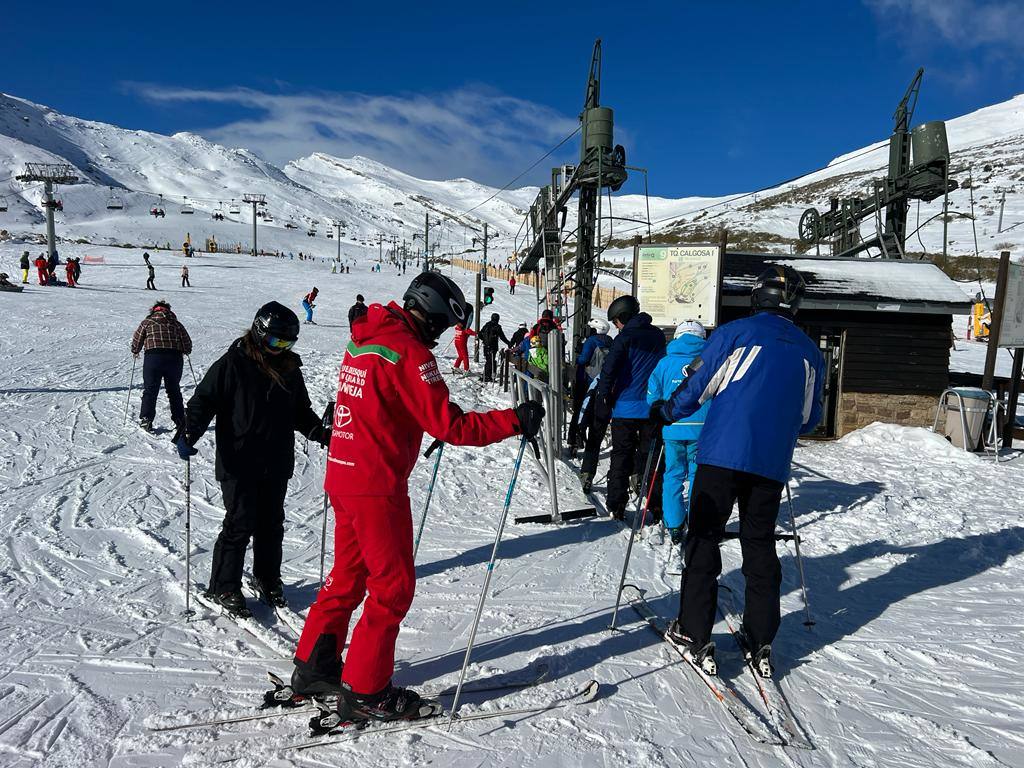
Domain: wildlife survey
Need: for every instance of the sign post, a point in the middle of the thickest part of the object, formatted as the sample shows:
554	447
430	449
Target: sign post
678	283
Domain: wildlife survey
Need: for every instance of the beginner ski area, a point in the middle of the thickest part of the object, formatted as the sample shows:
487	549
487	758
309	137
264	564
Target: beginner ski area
914	557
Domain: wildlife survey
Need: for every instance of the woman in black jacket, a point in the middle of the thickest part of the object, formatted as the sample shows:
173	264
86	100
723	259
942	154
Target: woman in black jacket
258	396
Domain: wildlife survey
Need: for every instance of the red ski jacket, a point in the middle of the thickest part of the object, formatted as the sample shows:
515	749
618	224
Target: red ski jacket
462	338
389	393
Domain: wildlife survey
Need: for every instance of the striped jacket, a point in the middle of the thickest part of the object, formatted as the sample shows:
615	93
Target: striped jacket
764	377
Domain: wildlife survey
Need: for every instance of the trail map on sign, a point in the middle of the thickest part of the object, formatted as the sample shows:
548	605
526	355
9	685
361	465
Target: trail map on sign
677	283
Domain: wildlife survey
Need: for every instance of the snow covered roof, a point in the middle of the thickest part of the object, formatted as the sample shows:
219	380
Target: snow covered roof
852	284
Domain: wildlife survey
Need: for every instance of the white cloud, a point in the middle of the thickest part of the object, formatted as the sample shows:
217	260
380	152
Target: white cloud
474	132
966	23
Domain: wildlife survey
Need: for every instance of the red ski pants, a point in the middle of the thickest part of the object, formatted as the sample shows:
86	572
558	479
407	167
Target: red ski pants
463	359
372	559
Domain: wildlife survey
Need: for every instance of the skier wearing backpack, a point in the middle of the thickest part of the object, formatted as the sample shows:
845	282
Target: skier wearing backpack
763	377
390	393
490	335
680	438
621	398
588	367
258	395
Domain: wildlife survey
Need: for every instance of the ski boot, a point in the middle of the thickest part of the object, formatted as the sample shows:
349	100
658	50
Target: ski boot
319	675
392	703
271	593
587	481
233	602
617	514
147	425
761	660
703	657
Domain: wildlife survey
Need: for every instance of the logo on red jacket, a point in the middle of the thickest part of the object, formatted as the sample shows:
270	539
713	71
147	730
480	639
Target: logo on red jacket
342	416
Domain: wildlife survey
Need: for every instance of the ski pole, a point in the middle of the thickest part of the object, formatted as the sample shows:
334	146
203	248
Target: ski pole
194	382
131	382
327	421
808	621
188	537
487	578
638	520
430	492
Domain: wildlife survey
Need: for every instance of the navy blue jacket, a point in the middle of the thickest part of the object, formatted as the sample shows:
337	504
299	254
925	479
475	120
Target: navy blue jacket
764	378
631	359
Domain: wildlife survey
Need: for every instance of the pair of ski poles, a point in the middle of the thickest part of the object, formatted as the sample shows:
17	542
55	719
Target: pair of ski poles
639	519
131	383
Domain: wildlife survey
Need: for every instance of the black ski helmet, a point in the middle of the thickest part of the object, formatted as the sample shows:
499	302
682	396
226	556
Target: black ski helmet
275	320
778	287
623	308
440	300
495	317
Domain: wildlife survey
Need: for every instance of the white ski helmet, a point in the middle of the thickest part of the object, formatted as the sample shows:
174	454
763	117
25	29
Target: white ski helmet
599	325
692	327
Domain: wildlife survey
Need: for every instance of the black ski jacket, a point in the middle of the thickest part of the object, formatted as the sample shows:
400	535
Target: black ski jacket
256	418
357	310
491	333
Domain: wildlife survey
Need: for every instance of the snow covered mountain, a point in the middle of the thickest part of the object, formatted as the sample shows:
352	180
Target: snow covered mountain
145	170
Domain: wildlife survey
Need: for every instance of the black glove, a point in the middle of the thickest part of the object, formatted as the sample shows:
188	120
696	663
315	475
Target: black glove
433	447
530	414
656	415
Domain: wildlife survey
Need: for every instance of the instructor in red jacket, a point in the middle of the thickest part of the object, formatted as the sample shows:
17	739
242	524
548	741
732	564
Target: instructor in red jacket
390	392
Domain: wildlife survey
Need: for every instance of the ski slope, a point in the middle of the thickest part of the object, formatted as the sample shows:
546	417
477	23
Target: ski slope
914	556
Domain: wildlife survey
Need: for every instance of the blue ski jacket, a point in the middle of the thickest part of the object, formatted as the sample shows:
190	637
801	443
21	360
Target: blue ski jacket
764	378
590	346
666	378
627	367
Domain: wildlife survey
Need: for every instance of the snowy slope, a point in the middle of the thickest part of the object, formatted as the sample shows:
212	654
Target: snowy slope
914	559
372	199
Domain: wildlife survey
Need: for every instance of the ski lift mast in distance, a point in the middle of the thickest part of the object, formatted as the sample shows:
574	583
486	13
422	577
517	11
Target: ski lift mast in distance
49	174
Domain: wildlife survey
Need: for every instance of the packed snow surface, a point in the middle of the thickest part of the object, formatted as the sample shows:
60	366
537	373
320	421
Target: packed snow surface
913	552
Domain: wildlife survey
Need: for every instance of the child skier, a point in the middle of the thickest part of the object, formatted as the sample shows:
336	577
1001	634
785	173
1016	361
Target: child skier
462	334
390	393
680	438
258	396
308	303
184	277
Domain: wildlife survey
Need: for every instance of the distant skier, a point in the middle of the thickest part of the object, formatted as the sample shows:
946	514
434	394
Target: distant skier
25	265
357	310
165	342
680	438
309	304
41	269
258	396
151	279
462	334
512	284
78	269
490	335
545	324
51	268
69	272
763	376
185	283
621	396
390	393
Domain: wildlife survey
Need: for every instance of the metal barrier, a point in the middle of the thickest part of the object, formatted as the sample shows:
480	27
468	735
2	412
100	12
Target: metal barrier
968	436
525	387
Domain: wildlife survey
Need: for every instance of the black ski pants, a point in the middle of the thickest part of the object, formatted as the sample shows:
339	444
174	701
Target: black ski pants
490	363
715	489
255	510
162	366
595	432
631	440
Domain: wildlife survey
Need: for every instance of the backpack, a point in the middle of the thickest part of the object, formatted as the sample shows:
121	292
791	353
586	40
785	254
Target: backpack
593	368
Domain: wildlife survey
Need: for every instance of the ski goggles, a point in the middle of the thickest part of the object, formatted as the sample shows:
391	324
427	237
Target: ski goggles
276	342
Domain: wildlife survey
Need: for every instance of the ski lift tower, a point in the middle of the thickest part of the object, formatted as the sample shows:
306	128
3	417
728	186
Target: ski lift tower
602	164
49	174
338	224
255	200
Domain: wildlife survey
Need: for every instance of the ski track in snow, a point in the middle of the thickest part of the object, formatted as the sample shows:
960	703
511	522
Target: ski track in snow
913	555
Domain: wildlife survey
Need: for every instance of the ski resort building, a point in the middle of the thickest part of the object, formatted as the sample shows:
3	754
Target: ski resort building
884	328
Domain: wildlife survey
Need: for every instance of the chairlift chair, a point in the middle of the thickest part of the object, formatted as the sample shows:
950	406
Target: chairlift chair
186	209
233	208
267	217
3	205
330	235
114	202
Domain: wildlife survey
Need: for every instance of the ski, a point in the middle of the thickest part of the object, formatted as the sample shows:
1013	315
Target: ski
746	718
282	643
584	695
299	706
285	615
769	690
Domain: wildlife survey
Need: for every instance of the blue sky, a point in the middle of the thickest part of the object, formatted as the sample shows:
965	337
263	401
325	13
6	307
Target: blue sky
713	97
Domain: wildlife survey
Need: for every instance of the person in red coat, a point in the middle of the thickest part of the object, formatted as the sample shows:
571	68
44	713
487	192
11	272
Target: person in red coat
69	270
512	284
42	267
390	392
462	334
